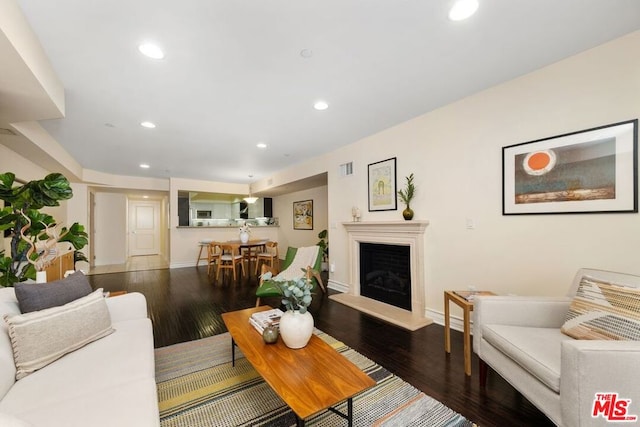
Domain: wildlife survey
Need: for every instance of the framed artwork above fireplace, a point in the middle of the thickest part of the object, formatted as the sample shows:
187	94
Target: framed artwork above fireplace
382	185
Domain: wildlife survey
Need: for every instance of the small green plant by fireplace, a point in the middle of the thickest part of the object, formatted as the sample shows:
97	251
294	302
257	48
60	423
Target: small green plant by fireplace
323	243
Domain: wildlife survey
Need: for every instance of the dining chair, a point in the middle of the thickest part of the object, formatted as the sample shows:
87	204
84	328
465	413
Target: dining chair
203	245
230	259
269	255
213	257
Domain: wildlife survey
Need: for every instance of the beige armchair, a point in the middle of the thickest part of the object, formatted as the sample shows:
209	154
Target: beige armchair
520	339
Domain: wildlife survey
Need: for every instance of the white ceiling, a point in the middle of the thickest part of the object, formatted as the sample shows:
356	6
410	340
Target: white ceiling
233	74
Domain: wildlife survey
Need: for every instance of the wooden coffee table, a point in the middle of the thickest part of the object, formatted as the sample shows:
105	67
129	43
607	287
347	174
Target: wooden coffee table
310	380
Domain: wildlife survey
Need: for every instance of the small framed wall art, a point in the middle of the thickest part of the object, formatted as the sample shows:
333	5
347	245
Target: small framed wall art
382	185
589	171
303	215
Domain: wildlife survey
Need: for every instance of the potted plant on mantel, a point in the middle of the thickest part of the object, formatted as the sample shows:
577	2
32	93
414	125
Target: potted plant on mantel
296	324
33	233
407	195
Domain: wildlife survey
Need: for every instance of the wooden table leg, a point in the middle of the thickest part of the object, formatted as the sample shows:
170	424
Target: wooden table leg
467	341
447	331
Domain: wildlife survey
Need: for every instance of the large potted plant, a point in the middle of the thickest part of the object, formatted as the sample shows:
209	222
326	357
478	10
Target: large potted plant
296	324
34	234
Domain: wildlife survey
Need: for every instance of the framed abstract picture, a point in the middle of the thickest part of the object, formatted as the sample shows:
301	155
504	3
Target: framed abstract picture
382	186
589	171
303	215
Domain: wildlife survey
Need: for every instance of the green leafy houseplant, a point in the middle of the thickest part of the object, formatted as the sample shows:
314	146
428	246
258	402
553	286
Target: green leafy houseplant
406	195
33	232
296	293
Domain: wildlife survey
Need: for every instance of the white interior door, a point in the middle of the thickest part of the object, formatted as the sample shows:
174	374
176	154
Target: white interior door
144	227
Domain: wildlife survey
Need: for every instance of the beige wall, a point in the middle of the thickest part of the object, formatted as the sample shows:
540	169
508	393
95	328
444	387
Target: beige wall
110	216
283	210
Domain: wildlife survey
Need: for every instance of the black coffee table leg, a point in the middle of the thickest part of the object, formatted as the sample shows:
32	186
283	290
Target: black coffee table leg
233	353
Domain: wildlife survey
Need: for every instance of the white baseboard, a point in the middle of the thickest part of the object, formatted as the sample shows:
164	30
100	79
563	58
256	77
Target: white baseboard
337	286
456	322
183	264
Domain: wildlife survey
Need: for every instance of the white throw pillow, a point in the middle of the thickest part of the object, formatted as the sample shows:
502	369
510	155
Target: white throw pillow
41	337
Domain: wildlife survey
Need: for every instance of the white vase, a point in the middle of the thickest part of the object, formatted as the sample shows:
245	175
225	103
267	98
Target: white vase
244	236
41	277
295	328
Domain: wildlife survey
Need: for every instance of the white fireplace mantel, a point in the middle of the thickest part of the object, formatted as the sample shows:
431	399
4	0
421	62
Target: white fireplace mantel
406	233
393	227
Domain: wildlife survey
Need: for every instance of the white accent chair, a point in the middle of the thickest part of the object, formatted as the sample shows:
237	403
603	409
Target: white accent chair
519	338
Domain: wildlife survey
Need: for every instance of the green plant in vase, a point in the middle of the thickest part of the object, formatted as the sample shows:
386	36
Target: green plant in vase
406	195
296	293
296	324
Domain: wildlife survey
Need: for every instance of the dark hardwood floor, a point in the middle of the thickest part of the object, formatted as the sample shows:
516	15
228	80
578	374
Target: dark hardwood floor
185	304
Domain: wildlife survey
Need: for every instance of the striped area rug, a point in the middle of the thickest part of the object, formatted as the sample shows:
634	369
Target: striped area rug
198	387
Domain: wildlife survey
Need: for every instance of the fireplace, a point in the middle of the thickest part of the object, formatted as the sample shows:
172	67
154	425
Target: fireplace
385	274
409	237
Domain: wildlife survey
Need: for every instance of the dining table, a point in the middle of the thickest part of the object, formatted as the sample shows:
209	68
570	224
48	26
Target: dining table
250	246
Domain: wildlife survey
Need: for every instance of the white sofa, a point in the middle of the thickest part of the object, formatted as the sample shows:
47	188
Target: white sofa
109	382
520	339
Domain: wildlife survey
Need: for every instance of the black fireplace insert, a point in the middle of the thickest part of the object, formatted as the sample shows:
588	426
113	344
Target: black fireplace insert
385	273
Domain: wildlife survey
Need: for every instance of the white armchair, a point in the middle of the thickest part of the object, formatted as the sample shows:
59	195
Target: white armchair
520	339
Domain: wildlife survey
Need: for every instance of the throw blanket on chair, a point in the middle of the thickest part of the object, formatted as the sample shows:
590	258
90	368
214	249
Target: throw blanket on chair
305	257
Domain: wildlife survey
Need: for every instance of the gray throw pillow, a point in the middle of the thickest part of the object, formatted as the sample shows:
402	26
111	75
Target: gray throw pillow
38	296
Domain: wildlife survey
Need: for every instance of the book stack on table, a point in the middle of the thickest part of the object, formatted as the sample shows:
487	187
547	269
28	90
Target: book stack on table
263	319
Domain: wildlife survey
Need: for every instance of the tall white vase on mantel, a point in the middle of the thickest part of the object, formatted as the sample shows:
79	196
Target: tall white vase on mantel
295	328
244	236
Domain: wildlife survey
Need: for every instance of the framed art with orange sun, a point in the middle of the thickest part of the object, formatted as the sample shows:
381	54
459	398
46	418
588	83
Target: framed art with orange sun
589	171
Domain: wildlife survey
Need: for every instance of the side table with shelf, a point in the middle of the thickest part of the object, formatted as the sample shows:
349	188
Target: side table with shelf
464	300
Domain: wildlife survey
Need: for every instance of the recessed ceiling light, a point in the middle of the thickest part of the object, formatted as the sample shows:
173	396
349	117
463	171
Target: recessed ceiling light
261	145
463	9
144	166
320	105
149	125
151	50
306	53
145	197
